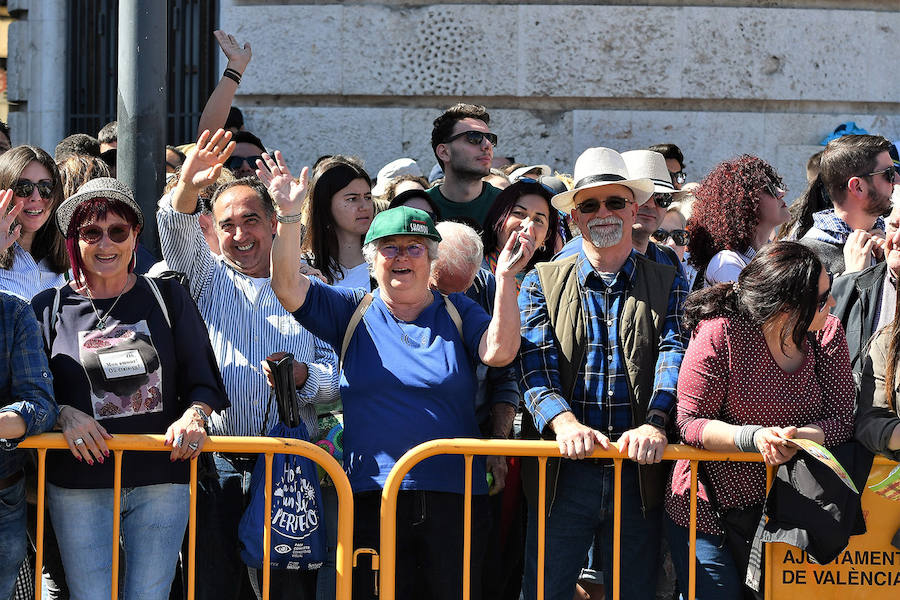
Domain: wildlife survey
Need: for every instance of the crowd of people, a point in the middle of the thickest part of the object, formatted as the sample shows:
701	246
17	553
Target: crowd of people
490	299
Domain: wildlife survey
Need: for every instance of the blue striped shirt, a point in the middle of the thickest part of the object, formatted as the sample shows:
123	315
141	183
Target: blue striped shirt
26	277
246	324
601	398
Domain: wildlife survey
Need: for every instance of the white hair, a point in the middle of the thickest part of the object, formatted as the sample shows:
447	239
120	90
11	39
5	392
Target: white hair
461	246
370	249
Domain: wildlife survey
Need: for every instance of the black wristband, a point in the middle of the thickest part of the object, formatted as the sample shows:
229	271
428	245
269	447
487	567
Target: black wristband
232	75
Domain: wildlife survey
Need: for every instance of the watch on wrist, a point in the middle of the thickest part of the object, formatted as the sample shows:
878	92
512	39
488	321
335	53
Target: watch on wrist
657	420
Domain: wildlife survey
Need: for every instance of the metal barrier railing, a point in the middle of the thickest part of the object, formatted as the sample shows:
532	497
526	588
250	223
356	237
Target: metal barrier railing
244	445
543	450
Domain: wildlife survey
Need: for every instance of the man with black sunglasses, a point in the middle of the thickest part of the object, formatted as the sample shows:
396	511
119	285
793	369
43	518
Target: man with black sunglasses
464	147
601	348
247	150
858	174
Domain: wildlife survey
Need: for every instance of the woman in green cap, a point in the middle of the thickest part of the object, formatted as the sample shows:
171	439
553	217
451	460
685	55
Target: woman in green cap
408	377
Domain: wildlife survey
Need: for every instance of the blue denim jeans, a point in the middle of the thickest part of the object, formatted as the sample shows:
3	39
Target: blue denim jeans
717	575
13	537
154	518
582	507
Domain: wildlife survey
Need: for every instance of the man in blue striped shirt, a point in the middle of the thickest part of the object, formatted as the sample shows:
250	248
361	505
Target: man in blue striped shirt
246	325
602	345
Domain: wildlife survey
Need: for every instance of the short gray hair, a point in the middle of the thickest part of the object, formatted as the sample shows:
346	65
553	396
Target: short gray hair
461	246
371	248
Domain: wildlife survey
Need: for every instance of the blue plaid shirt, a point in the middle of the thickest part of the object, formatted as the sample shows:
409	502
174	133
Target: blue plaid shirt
828	227
601	398
26	387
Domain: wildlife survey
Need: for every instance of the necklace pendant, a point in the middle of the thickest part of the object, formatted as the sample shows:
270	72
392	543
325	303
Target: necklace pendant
101	324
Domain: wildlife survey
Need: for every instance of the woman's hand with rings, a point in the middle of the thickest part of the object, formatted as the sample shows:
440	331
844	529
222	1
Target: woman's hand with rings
9	229
84	435
186	436
309	271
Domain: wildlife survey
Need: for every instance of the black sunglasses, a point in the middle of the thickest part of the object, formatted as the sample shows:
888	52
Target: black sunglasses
234	162
678	177
823	299
475	137
23	188
663	200
889	173
612	203
681	237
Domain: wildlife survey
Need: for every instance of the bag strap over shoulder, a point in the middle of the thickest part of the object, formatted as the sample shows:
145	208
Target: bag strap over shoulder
361	309
454	315
158	295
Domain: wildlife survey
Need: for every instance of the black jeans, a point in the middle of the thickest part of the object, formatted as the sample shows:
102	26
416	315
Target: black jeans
429	544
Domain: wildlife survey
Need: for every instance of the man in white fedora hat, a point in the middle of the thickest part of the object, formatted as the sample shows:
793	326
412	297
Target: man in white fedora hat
602	345
652	165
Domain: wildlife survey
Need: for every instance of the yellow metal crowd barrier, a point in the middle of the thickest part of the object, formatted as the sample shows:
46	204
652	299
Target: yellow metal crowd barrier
244	445
543	450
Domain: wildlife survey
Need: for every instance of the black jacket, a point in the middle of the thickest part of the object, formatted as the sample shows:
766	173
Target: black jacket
858	296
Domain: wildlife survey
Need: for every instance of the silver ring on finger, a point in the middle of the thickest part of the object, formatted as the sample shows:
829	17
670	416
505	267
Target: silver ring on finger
193	445
78	441
179	439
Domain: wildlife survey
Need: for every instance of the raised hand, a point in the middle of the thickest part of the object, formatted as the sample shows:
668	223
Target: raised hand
238	57
203	165
9	229
287	193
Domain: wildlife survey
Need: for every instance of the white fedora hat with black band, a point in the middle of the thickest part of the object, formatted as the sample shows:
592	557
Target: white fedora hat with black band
101	187
597	167
647	163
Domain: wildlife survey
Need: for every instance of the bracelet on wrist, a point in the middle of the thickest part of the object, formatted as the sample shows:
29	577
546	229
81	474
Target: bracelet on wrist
232	75
745	438
289	218
202	414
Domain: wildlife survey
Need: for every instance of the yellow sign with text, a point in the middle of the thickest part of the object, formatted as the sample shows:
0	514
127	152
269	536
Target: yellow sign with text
868	568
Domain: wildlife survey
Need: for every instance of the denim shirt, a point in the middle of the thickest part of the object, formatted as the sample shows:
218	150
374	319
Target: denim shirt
26	386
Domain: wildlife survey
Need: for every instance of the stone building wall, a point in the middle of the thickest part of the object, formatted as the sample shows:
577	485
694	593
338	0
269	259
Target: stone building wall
718	78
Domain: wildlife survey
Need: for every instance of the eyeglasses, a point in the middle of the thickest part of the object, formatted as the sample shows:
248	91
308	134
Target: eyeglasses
823	299
412	250
23	188
612	203
678	177
889	173
475	137
530	180
681	237
663	200
234	162
92	234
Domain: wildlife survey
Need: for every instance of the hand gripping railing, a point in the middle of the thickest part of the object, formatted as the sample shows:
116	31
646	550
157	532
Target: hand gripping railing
543	450
244	445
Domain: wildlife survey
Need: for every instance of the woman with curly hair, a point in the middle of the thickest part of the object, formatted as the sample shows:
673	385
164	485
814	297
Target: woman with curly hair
737	207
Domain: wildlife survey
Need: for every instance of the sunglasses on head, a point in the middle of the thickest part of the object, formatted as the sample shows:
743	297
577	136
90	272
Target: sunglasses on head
823	299
663	200
234	162
678	177
889	173
412	250
530	180
23	188
92	234
681	237
776	191
612	203
475	137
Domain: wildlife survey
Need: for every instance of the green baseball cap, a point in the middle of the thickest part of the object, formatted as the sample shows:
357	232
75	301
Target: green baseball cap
403	220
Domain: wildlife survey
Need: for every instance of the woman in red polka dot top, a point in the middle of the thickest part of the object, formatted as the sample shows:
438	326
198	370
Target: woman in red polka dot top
766	359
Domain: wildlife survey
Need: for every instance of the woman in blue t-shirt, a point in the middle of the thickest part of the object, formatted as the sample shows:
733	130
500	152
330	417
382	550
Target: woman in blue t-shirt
408	377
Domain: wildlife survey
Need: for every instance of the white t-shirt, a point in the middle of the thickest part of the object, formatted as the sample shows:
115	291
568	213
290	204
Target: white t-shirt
357	277
726	265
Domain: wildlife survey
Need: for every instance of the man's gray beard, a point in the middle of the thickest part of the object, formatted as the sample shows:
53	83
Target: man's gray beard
605	239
